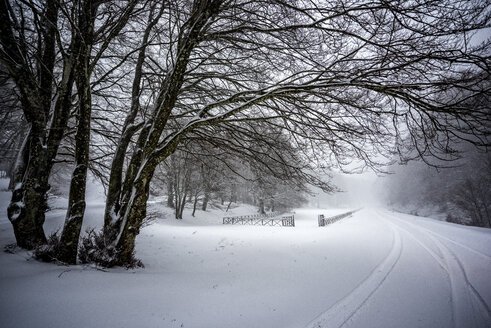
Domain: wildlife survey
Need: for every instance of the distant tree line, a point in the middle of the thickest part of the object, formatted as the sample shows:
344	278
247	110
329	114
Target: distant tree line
462	193
198	174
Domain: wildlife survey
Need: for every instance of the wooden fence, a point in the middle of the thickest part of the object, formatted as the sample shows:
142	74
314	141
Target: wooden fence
262	220
288	221
323	221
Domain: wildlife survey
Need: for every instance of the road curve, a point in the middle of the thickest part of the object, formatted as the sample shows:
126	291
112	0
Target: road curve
461	303
469	307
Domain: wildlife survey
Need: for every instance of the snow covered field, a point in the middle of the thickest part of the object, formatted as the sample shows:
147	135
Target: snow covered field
374	269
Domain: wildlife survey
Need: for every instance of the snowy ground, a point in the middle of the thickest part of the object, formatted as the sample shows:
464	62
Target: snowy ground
374	269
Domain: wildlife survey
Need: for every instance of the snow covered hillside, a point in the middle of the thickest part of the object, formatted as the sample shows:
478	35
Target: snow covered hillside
374	269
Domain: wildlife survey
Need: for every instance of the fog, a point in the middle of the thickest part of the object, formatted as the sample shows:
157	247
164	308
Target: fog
355	190
458	191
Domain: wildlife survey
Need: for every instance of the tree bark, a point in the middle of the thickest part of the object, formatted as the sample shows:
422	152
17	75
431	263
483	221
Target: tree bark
195	204
76	202
114	192
28	204
206	199
170	193
33	166
206	187
132	221
228	206
181	197
261	206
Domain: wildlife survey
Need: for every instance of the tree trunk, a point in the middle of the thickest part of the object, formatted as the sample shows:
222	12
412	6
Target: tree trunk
228	206
206	186
17	169
129	129
195	204
136	211
33	166
180	203
76	201
206	199
27	208
170	194
28	202
261	206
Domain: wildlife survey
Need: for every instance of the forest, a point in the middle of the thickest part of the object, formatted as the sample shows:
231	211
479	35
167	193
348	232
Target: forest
248	101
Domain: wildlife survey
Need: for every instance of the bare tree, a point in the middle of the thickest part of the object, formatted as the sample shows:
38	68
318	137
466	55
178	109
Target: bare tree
87	12
181	172
28	51
46	48
342	79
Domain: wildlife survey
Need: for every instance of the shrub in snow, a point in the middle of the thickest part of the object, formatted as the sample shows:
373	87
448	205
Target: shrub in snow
10	248
458	219
49	252
93	249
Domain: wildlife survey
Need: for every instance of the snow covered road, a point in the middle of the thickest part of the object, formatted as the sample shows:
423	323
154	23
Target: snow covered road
401	290
374	269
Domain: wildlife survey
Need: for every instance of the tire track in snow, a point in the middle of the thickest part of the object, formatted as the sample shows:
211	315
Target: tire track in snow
452	241
465	296
458	244
343	310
